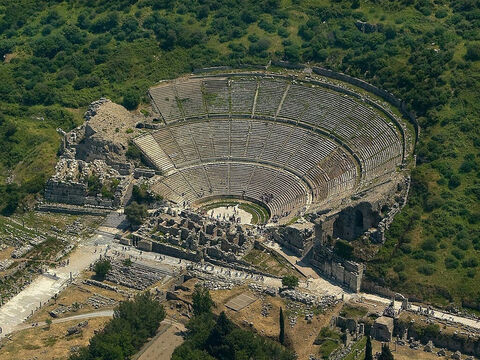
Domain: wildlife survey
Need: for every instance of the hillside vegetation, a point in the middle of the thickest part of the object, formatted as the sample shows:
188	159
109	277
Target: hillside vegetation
61	55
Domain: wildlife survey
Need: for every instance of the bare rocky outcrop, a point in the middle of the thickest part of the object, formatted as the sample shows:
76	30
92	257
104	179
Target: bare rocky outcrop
95	152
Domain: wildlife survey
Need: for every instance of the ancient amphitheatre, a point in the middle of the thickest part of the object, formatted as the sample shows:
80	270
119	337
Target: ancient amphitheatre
291	144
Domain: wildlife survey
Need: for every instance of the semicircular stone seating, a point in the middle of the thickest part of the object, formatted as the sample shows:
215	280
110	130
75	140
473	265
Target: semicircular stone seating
285	143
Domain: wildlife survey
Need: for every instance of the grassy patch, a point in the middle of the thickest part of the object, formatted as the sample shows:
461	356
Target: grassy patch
355	312
357	350
328	340
270	263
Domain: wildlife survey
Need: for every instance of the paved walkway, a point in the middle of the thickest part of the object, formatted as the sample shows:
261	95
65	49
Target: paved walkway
102	313
44	287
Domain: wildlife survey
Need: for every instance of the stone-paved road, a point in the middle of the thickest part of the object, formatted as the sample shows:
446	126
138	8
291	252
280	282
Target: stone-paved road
44	287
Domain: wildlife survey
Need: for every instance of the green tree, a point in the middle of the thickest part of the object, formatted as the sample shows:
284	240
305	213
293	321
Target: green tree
290	281
368	349
281	337
49	323
136	213
133	323
102	267
141	194
386	353
131	99
127	262
473	52
202	301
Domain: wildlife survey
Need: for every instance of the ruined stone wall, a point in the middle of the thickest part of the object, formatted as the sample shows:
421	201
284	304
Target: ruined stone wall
297	238
173	251
72	209
369	214
465	343
347	273
66	192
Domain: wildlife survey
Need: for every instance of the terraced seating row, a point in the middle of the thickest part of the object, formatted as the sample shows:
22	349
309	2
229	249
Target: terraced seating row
188	185
270	93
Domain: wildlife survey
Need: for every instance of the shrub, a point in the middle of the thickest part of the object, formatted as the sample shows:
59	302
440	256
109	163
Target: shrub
470	263
399	267
290	281
458	254
136	213
473	52
131	99
343	249
451	262
429	244
430	257
463	244
102	267
471	273
406	248
426	269
133	152
454	182
202	301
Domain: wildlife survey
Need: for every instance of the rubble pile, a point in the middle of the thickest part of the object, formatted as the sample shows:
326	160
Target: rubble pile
217	285
77	329
266	308
136	276
62	309
37	240
93	108
267	290
98	301
5	264
218	279
21	251
308	299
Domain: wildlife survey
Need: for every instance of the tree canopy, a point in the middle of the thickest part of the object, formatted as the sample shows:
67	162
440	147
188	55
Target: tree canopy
290	281
133	322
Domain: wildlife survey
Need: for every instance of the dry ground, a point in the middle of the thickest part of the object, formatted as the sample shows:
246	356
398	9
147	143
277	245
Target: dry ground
6	253
162	346
44	343
272	264
405	353
300	337
79	294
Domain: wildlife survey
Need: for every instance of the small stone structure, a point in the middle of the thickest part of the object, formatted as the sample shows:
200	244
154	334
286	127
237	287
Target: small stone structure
382	329
297	238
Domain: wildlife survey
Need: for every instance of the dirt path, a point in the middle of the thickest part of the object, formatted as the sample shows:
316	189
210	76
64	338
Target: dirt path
161	347
103	313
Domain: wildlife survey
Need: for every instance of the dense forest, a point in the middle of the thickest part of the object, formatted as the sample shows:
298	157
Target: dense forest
58	56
